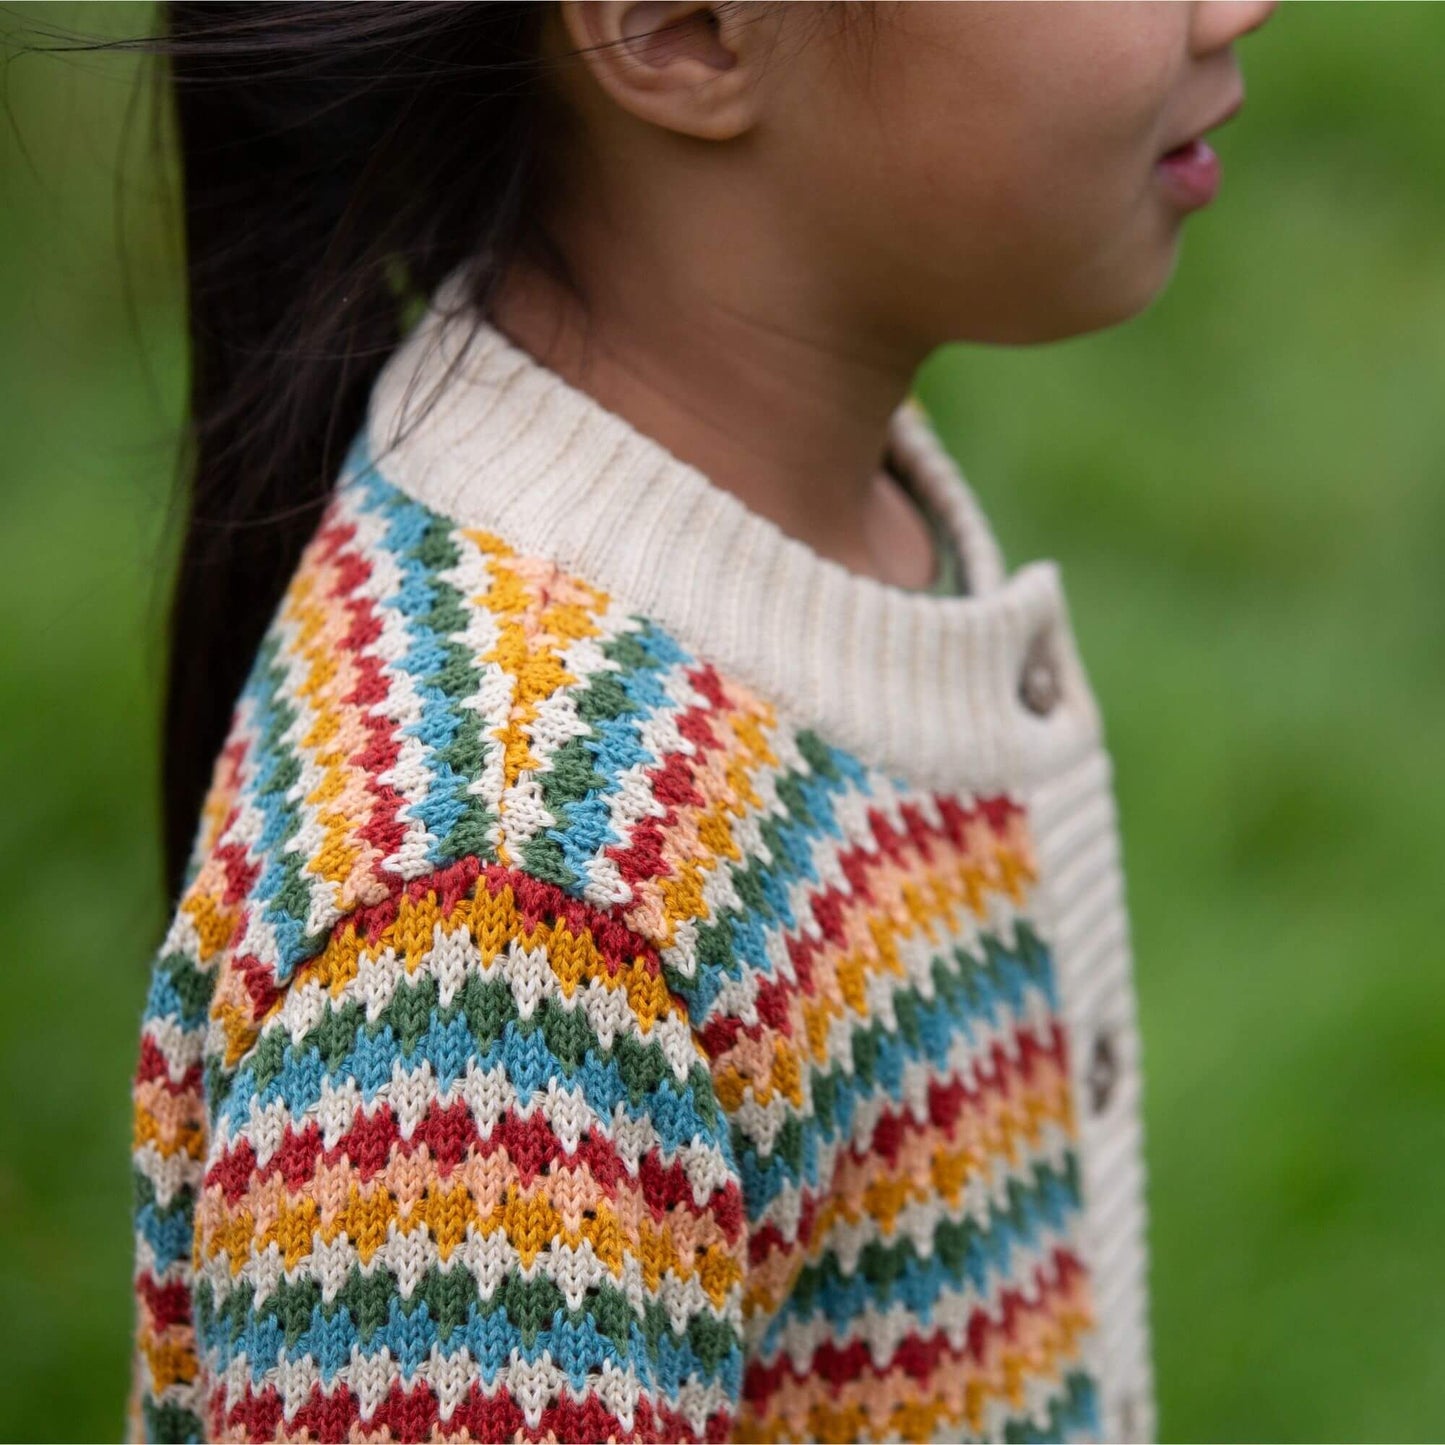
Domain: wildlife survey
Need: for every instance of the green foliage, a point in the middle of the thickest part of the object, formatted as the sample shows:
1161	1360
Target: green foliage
1244	487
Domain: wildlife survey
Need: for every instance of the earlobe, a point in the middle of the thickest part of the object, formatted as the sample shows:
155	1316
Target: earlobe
684	65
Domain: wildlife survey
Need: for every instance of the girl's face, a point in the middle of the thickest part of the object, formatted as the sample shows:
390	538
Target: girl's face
989	171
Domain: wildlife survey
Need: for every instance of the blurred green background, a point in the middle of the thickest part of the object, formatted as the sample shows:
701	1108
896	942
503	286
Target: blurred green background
1246	488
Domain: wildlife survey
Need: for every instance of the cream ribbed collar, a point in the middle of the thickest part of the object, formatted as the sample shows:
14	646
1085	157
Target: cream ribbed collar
925	687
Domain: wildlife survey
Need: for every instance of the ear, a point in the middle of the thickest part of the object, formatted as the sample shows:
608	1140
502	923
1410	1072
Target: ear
687	66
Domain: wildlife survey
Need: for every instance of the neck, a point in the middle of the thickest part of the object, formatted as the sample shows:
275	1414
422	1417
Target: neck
471	427
790	419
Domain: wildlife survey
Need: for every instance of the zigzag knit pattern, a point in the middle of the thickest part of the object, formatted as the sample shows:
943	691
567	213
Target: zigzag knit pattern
553	1042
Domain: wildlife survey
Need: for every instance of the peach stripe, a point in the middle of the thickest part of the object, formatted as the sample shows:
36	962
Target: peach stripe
487	1181
174	1122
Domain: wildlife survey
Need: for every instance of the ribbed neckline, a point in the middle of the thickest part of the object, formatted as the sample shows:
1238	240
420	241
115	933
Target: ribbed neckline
925	687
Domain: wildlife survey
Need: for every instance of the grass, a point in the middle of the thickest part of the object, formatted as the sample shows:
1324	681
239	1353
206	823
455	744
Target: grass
1244	487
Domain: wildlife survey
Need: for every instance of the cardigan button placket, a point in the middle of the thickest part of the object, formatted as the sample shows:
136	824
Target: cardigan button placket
1127	1422
1103	1072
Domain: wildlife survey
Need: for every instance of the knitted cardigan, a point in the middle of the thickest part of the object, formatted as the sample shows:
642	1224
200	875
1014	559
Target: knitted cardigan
638	978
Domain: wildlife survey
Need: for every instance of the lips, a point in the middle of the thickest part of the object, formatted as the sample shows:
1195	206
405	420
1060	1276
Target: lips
1190	171
1181	150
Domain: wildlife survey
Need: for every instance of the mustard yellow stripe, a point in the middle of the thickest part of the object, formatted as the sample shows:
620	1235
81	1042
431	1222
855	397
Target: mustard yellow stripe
215	924
170	1356
539	611
495	922
530	1220
488	1180
173	1123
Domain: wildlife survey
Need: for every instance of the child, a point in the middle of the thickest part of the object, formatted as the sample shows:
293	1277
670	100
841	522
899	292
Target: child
652	963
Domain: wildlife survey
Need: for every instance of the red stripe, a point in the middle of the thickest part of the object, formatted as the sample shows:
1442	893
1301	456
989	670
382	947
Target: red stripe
153	1069
537	901
920	1356
240	868
619	946
1012	1070
383	829
259	981
413	1414
671	782
167	1304
450	1134
832	906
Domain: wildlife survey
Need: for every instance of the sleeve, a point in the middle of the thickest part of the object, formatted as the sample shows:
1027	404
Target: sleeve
168	1148
170	1125
468	1178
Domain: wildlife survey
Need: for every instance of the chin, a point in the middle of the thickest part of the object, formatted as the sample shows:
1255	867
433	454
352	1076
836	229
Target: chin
1110	298
1082	318
1127	296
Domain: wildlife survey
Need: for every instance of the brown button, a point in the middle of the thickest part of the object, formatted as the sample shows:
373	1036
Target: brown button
1103	1072
1039	687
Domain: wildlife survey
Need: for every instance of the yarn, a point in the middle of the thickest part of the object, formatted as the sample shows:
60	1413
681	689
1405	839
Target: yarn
555	1041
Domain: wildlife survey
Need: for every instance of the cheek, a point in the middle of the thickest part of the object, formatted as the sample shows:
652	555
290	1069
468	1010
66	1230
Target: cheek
1082	158
1031	195
995	178
1040	193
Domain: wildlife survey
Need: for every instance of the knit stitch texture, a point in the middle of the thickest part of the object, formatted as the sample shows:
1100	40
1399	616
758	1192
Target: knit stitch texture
555	1041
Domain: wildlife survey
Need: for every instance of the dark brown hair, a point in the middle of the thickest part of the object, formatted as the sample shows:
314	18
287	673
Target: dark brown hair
337	162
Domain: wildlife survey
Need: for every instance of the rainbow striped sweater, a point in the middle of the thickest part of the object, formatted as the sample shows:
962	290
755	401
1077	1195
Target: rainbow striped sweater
637	979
